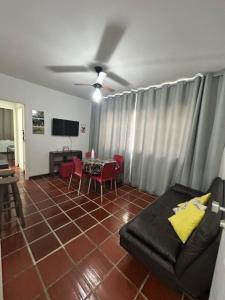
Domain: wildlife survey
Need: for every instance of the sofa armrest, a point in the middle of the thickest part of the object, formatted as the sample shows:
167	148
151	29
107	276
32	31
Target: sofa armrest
179	188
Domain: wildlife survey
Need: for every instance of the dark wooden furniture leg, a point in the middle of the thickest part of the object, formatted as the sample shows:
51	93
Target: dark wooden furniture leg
7	202
18	203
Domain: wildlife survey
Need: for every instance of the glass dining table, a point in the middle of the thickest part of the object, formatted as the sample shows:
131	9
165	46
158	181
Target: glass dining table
94	166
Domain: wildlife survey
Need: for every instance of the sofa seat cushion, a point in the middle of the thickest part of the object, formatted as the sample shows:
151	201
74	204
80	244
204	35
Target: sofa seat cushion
158	237
152	227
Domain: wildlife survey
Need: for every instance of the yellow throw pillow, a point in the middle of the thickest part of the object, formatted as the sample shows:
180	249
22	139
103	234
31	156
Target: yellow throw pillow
203	200
194	201
186	220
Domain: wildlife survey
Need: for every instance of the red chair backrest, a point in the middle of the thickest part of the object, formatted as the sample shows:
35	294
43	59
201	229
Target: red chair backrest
120	160
88	154
108	171
78	166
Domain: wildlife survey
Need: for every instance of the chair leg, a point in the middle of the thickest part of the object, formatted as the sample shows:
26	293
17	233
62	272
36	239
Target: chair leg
95	185
79	187
7	202
89	185
18	203
115	187
7	197
71	176
111	184
101	193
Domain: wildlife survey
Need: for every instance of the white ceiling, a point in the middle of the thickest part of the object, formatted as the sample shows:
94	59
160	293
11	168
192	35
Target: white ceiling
163	40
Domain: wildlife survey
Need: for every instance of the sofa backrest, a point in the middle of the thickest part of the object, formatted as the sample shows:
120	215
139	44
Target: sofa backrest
205	233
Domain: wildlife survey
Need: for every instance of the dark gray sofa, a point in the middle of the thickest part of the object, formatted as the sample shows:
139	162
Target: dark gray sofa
150	238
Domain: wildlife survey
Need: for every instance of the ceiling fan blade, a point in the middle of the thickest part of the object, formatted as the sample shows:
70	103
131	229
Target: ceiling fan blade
101	77
68	69
83	84
118	79
109	89
110	40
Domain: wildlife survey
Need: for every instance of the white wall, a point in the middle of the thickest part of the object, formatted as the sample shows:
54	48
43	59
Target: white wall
218	288
55	105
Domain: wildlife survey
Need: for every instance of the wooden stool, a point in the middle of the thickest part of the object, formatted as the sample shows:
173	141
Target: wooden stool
6	173
4	164
6	184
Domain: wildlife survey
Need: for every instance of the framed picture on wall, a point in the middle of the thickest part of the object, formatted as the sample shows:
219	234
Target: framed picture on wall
38	122
83	128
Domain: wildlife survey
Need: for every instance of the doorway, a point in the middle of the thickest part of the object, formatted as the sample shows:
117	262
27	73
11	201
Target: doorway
12	147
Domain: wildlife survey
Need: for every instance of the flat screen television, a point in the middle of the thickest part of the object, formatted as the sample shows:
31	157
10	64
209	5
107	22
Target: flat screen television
65	127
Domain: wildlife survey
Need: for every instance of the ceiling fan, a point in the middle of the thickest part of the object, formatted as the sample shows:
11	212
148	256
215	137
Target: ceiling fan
109	42
98	85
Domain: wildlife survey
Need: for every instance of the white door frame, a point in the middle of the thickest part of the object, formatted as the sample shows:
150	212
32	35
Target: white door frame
217	291
19	126
20	147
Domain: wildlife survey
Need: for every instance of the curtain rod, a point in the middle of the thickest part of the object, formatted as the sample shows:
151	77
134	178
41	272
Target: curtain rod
219	73
155	86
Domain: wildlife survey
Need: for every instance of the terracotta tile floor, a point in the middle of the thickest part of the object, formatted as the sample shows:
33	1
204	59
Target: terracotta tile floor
70	246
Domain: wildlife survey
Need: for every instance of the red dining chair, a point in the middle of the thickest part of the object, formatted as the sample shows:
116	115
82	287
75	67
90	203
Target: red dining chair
78	171
88	154
120	164
108	173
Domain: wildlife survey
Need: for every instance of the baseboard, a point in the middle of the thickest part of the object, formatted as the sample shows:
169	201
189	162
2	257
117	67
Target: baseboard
39	176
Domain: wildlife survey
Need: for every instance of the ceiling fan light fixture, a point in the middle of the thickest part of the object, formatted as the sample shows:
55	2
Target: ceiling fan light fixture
97	95
101	77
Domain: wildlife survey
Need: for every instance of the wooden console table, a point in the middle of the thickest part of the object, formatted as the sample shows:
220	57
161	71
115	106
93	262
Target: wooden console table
57	157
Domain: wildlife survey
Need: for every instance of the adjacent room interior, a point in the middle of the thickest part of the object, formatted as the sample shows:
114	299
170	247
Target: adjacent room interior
12	149
7	147
112	161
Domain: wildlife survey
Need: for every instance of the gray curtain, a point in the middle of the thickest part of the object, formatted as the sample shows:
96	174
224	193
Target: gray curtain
94	126
202	158
164	118
170	134
111	127
6	124
179	134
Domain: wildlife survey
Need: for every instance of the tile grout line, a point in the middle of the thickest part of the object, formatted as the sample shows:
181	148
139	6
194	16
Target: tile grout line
73	221
44	219
76	265
33	261
70	258
114	267
87	213
142	285
67	242
45	289
64	211
62	245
